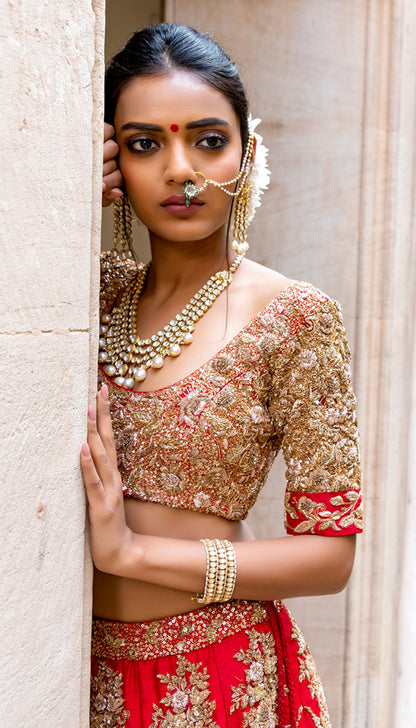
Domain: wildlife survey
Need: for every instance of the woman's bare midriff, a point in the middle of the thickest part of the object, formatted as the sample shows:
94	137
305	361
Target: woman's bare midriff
129	600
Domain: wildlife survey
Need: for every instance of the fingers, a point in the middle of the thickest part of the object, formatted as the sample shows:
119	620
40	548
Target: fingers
109	167
109	131
110	150
109	197
105	427
92	482
107	474
113	180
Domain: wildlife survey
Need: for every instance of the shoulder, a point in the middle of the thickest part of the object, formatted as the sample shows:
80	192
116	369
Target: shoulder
260	284
113	266
116	274
269	289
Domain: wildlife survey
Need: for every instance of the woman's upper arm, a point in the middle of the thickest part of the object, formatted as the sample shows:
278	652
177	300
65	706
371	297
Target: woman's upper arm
319	435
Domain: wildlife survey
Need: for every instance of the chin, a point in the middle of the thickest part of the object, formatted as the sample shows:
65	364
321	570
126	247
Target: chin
183	232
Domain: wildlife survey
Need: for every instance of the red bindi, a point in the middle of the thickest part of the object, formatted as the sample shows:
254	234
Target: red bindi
174	127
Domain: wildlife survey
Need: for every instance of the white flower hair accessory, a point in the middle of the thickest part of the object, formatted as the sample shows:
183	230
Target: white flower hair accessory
260	174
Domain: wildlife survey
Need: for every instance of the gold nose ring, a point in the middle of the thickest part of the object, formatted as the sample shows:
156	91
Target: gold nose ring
190	190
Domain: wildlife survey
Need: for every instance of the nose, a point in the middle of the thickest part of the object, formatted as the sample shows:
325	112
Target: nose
179	167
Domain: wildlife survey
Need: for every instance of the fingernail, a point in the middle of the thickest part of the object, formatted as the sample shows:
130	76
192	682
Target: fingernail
85	449
91	412
104	392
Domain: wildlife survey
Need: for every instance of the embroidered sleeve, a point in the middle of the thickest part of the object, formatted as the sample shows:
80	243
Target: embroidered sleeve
314	411
116	274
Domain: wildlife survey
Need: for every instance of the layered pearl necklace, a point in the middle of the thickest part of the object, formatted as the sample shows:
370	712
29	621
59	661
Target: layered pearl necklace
125	356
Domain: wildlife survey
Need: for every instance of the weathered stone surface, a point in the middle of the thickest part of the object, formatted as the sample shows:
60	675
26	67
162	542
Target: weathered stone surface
51	92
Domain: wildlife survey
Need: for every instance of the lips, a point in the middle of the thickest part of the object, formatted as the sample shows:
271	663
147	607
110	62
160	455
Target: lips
175	205
179	200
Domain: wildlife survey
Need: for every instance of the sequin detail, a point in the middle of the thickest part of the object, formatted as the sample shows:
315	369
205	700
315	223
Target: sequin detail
207	442
187	698
106	705
174	635
257	697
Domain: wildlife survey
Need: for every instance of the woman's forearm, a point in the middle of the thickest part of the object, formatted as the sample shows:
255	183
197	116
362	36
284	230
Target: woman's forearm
278	568
270	569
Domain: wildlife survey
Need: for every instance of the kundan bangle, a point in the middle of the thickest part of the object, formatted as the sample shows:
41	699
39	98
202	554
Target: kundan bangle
211	573
221	571
231	572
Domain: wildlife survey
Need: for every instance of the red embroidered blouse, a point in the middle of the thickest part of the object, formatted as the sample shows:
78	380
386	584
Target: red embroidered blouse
207	443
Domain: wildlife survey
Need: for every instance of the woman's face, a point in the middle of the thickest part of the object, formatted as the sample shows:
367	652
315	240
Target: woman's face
168	128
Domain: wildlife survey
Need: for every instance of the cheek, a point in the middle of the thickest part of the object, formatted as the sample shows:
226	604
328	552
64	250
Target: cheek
137	182
219	205
224	169
128	169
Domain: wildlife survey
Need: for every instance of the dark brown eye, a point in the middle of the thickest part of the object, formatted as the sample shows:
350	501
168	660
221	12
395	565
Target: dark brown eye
144	144
212	141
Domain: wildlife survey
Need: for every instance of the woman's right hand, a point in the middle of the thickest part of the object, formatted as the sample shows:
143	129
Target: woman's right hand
109	533
112	179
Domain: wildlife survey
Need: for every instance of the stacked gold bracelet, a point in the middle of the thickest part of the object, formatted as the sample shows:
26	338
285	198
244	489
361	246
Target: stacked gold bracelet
221	571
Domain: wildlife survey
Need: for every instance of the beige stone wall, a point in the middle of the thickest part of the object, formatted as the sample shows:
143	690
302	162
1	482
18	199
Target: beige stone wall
379	677
51	95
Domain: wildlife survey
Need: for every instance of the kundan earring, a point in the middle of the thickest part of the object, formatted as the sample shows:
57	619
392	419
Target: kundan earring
241	219
122	229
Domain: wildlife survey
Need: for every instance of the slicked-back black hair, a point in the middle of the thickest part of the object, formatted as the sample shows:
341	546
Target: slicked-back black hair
159	49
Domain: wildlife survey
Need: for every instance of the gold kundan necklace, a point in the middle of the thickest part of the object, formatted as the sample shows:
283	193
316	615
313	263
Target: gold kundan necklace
125	356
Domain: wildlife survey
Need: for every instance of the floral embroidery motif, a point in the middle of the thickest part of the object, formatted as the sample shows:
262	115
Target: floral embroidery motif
308	672
316	516
207	442
187	698
107	700
259	692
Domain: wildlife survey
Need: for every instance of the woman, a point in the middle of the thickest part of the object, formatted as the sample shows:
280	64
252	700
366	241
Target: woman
185	630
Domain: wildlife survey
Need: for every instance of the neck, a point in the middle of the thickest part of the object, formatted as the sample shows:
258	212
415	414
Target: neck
186	266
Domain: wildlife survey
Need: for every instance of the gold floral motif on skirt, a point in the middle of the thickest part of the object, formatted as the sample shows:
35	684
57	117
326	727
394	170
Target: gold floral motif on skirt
259	692
187	698
107	701
308	671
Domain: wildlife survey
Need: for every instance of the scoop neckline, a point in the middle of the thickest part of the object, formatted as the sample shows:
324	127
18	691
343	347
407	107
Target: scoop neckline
249	324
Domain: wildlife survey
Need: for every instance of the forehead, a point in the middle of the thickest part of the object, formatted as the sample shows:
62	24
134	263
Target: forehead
177	98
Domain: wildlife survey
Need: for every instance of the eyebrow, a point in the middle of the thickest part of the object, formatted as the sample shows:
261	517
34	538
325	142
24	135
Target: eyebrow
209	121
144	126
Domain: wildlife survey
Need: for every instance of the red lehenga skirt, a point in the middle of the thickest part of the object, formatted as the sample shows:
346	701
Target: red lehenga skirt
224	666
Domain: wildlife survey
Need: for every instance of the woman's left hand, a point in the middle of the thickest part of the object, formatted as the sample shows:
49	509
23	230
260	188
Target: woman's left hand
112	179
111	538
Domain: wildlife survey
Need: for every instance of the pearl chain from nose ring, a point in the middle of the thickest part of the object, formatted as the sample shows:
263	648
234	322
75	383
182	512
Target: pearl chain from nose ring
191	190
